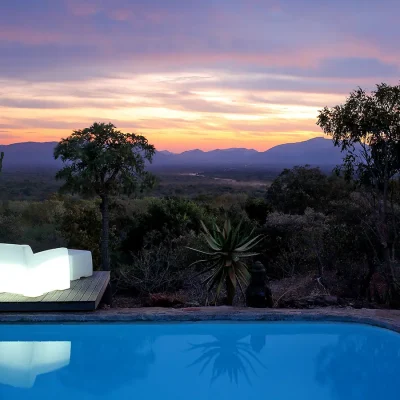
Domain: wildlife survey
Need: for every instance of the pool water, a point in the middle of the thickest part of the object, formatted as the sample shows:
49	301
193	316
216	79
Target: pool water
271	361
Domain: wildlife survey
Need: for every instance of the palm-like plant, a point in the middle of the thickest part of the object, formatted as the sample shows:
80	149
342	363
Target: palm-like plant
228	355
227	249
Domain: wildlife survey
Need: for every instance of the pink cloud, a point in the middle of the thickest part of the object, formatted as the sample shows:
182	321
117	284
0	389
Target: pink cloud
83	8
121	14
29	36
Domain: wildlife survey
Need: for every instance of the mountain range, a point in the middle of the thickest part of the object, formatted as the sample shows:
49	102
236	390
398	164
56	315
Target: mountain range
318	151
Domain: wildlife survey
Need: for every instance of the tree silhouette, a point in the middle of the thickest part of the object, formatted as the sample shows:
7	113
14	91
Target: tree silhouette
102	161
367	128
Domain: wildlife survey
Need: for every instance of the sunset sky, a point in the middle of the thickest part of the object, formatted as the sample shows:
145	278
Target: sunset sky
189	73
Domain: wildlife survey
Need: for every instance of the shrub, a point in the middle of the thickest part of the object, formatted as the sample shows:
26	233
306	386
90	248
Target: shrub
80	225
156	268
224	259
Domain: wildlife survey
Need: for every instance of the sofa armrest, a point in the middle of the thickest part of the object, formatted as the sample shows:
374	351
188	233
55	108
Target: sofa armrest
81	264
49	270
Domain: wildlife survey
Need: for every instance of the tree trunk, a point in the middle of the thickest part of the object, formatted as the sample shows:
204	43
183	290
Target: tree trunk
105	227
105	255
366	282
230	290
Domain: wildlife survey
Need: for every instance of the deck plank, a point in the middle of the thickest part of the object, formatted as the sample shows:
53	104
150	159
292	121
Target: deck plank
101	293
92	288
84	295
102	282
80	285
23	299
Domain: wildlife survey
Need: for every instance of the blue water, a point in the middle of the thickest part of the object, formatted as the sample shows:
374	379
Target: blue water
271	361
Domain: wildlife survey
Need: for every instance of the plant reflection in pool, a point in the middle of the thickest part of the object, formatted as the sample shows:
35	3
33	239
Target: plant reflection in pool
372	367
305	361
229	355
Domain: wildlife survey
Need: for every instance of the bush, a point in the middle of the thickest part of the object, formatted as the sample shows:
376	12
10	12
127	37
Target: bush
80	225
156	268
168	218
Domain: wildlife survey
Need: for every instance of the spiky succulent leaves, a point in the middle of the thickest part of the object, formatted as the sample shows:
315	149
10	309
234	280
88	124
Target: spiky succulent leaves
227	247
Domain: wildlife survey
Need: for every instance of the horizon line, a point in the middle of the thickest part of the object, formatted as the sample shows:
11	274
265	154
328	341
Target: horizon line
194	149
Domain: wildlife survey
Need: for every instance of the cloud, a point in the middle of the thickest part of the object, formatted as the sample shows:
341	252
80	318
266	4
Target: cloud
355	68
126	36
6	135
257	68
83	8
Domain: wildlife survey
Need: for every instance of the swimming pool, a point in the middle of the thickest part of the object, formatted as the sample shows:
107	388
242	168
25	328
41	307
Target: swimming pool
199	361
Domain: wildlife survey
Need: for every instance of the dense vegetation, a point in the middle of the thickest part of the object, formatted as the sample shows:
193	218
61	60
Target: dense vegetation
320	235
316	228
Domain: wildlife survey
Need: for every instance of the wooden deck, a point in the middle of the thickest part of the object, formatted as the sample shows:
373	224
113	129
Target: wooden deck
84	295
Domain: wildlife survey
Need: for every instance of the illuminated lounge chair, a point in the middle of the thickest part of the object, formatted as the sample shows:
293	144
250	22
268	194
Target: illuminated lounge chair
22	362
25	273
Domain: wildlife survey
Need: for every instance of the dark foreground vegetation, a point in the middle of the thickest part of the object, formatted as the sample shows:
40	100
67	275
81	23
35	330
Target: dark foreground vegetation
324	239
314	226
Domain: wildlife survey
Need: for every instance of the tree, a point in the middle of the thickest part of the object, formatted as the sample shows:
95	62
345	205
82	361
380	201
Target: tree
367	128
1	160
296	189
102	161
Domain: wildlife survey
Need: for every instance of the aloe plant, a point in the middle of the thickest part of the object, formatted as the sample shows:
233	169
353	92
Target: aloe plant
227	355
224	260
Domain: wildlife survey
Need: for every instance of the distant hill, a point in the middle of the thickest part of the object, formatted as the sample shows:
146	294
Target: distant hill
29	154
213	157
317	151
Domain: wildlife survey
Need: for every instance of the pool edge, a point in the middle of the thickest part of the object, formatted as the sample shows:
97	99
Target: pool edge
388	319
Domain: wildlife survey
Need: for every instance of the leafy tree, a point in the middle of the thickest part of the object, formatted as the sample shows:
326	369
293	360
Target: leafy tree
163	219
102	161
367	128
228	247
298	188
257	209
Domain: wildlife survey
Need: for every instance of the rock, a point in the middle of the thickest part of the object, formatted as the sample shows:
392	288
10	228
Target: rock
311	301
164	300
192	304
324	300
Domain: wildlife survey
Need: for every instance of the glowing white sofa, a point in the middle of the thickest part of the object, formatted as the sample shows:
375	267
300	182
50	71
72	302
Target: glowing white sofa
22	362
32	275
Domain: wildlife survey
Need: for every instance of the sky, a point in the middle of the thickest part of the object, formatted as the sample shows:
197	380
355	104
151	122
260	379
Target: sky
189	73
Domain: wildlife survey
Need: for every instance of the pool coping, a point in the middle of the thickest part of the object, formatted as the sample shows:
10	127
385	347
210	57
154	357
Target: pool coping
389	319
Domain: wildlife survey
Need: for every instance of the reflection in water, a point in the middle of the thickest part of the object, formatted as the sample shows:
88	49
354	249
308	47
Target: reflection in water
229	355
227	361
257	342
22	362
126	359
360	366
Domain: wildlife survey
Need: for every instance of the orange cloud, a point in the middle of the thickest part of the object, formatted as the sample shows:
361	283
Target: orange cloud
186	74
